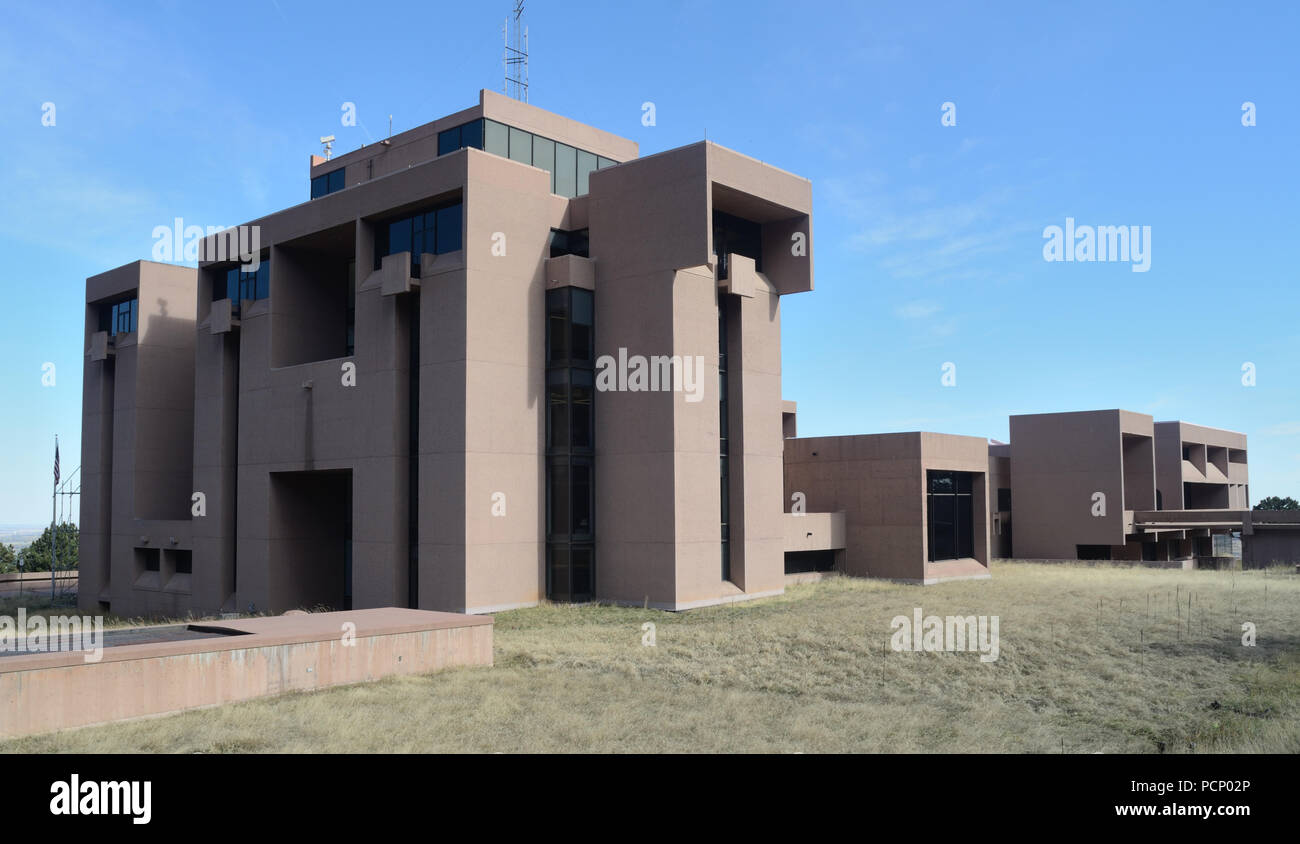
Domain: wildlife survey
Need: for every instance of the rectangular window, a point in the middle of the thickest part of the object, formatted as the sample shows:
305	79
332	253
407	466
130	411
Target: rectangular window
582	569
580	404
496	138
557	399
1004	499
544	156
602	162
586	164
521	146
431	232
733	234
449	140
559	500
566	170
399	236
471	134
570	476
558	586
126	317
119	317
950	515
557	320
580	477
582	316
449	234
327	183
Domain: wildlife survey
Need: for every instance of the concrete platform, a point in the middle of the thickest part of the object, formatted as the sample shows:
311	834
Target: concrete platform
152	672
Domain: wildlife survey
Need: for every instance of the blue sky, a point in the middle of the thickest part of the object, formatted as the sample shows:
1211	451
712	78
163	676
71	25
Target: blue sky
927	238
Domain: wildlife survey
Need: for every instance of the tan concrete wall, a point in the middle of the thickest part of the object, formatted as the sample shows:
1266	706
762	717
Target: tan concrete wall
137	438
754	378
813	531
45	692
878	480
1271	547
1058	460
505	375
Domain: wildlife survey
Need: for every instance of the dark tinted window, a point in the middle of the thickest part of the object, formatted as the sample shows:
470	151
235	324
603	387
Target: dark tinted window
434	232
557	314
583	347
448	140
950	515
327	183
570	243
399	236
123	317
471	134
733	234
580	396
449	225
559	500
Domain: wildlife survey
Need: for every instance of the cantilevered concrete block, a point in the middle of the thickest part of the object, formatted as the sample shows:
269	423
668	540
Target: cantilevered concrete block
571	271
395	274
223	317
742	278
99	346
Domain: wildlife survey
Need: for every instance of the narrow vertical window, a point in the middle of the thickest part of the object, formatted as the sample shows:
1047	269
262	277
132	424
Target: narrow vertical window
570	446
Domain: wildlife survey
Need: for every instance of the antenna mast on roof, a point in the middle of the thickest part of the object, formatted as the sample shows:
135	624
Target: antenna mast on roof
514	59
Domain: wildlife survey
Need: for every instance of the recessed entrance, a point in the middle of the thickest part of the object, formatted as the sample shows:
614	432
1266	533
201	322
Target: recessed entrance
311	539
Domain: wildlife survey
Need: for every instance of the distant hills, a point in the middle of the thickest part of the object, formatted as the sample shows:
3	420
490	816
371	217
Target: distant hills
19	536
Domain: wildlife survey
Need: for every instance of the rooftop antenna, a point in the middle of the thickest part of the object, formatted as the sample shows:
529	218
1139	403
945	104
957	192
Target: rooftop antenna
514	60
328	142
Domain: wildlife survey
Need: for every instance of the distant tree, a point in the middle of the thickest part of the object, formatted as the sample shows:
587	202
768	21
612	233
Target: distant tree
36	557
1273	502
8	559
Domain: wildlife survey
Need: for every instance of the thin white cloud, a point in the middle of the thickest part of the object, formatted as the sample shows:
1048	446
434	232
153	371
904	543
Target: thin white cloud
920	309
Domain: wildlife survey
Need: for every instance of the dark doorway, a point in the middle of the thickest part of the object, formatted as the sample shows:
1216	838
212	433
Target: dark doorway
950	515
800	562
311	540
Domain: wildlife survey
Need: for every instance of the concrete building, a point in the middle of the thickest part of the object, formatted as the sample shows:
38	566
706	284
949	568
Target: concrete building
914	506
1271	538
1113	484
1199	468
427	375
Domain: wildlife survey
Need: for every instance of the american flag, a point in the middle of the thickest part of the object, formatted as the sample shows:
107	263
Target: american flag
56	462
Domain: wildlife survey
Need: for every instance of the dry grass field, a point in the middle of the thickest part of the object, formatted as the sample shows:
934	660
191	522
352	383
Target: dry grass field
1092	659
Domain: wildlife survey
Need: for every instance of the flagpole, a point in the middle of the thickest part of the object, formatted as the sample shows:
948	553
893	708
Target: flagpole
54	524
